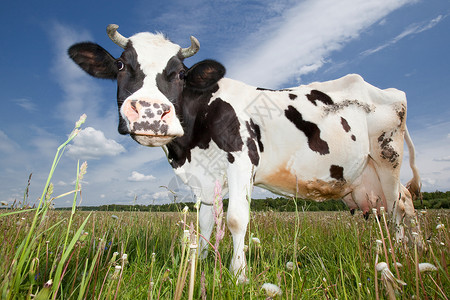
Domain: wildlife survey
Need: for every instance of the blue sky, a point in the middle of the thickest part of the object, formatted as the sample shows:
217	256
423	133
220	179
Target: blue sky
274	44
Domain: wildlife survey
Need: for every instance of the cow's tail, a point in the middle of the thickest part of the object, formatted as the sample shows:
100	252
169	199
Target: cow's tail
414	185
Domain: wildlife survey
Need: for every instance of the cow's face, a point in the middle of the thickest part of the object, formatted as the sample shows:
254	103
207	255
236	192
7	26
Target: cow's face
151	79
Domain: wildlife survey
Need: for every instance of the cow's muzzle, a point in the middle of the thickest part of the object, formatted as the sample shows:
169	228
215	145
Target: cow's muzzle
150	122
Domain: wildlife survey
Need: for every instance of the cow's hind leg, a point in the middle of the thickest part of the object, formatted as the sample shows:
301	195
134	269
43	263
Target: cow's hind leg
387	153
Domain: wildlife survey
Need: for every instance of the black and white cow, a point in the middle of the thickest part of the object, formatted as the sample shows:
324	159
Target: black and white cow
330	140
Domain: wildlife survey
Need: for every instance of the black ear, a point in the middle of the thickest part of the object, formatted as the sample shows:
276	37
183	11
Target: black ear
93	59
204	75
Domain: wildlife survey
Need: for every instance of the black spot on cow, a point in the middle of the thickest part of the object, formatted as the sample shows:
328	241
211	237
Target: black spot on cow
337	172
345	125
292	96
255	133
316	95
230	158
202	123
310	129
252	151
145	103
270	90
353	137
387	151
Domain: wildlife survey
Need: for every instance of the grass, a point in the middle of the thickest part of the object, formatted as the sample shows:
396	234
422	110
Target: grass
48	254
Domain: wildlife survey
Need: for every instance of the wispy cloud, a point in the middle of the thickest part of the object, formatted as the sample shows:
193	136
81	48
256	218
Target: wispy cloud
26	104
92	144
412	29
302	38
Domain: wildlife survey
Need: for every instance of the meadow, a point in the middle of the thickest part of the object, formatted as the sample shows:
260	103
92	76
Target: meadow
51	254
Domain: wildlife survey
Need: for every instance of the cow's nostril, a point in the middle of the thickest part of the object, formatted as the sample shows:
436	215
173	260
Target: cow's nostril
166	112
133	106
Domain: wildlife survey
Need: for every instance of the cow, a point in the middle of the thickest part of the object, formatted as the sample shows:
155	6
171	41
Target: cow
325	140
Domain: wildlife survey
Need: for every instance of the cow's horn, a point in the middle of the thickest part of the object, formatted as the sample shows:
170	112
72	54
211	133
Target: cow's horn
116	37
188	52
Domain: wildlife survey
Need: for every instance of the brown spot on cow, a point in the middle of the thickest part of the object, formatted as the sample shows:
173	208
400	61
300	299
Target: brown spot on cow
316	189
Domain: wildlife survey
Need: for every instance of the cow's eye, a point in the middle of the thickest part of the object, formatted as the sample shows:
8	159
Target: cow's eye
120	65
181	75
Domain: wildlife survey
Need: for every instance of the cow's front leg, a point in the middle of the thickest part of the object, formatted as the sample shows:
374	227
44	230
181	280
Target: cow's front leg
240	187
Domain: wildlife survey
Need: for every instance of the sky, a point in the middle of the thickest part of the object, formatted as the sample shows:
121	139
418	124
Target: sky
266	43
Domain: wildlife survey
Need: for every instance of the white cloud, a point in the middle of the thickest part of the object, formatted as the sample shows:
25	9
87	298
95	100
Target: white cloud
303	36
446	158
136	176
410	30
92	144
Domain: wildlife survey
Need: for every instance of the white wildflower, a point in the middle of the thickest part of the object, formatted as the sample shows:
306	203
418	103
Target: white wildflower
440	226
427	267
374	211
290	265
115	217
271	290
256	240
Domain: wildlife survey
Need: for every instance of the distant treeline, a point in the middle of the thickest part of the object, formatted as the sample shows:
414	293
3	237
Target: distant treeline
433	200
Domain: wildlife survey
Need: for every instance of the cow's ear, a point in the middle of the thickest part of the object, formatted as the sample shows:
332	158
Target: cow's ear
204	75
93	59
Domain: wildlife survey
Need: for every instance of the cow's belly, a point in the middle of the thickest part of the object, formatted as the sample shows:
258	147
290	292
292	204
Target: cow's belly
295	170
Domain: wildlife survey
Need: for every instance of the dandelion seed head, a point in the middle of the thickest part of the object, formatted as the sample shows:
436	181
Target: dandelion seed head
374	211
290	265
271	289
427	267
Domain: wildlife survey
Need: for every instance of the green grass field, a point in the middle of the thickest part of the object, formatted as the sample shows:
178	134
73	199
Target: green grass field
335	257
49	254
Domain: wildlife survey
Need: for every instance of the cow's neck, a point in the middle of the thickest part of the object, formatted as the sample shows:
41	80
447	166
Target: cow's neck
192	108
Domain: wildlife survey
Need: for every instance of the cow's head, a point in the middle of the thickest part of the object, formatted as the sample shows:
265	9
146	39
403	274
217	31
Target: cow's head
151	79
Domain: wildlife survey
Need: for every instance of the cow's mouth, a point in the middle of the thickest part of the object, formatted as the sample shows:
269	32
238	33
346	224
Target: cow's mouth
152	140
